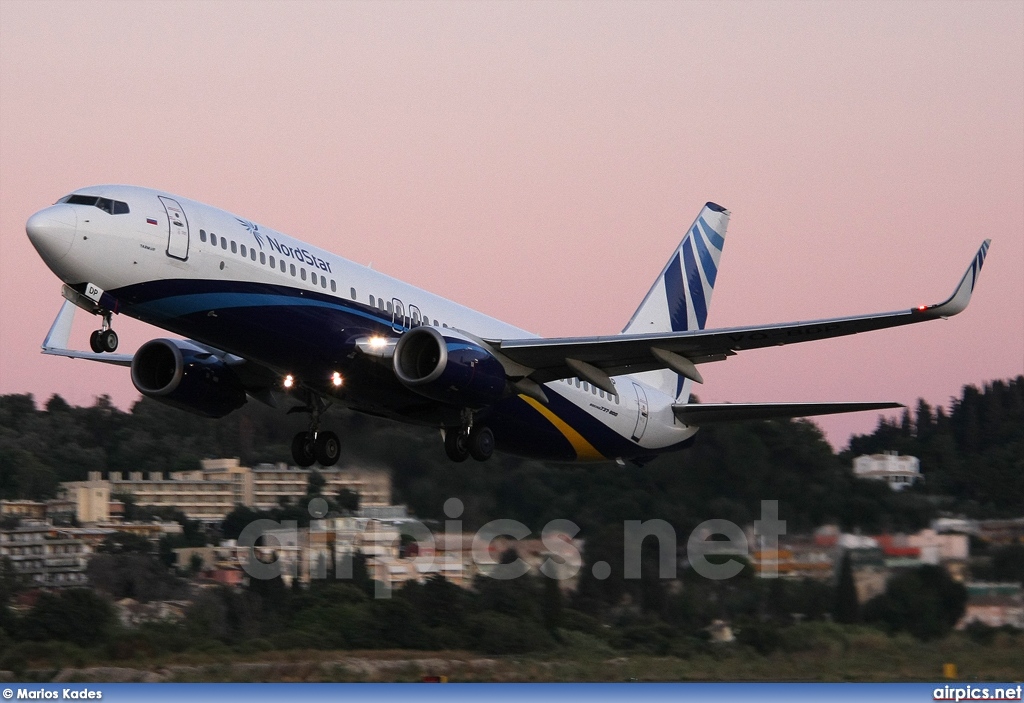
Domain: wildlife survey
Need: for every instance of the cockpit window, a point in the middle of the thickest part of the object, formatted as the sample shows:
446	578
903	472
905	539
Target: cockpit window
112	207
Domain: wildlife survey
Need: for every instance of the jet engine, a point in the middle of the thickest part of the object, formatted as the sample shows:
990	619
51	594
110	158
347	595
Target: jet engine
449	367
187	377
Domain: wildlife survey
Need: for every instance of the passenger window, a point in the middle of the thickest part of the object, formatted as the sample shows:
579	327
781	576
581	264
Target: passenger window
373	302
213	239
273	263
202	235
244	252
284	267
390	309
252	254
263	258
334	289
234	247
224	243
323	281
351	290
312	276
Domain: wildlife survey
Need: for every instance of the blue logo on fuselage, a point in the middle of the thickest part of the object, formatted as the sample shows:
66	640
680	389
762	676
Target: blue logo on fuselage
299	255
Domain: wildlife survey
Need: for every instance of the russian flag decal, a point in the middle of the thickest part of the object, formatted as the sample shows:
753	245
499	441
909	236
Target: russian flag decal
150	220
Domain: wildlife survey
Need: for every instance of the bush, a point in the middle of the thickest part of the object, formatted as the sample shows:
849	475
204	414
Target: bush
495	633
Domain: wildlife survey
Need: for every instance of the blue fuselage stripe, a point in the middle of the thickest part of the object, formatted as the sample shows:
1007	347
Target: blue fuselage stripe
284	327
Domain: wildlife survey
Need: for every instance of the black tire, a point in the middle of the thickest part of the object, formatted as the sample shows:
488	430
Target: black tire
302	450
456	444
327	448
108	340
481	443
94	342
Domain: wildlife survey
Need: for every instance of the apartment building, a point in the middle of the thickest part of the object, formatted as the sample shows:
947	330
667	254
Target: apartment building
44	555
209	493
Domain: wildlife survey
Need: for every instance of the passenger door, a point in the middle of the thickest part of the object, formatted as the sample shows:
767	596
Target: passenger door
642	412
177	229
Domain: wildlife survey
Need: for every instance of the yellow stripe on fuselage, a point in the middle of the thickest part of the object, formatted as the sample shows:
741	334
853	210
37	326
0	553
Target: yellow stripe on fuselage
584	449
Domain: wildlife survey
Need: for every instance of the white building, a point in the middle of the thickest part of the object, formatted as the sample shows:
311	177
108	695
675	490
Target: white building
208	494
898	471
44	555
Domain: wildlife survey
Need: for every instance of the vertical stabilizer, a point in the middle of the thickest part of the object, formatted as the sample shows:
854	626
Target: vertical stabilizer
681	295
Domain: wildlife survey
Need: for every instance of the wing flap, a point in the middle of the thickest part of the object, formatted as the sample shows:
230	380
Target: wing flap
697	414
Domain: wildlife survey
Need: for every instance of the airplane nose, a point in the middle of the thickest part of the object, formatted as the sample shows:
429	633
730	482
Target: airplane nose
52	231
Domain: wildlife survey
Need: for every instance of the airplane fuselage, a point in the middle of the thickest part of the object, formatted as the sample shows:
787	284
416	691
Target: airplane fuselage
301	311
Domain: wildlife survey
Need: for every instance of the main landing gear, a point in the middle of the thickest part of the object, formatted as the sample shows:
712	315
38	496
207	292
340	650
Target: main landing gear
315	446
470	440
309	448
105	338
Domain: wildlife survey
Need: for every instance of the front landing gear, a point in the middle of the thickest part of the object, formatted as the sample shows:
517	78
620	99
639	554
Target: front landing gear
105	338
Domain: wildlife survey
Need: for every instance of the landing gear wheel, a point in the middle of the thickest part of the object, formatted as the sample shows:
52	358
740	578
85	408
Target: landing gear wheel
456	444
327	448
108	340
481	443
94	341
302	449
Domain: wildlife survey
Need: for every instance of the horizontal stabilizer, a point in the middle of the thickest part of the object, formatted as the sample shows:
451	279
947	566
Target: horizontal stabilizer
697	414
56	341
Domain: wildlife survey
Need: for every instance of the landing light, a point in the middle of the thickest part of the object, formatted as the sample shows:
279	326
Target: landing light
378	342
289	381
336	379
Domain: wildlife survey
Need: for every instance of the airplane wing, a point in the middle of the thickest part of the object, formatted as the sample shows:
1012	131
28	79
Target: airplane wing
597	358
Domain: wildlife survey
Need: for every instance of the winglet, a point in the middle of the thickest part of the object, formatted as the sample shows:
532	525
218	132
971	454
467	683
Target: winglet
957	302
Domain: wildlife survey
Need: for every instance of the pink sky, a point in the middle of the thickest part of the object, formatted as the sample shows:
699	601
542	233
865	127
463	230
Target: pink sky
539	161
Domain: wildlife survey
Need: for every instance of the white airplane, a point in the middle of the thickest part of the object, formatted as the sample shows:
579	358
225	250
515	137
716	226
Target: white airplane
270	317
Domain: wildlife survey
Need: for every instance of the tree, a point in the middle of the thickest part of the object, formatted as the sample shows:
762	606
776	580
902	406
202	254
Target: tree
926	602
125	543
348	500
315	483
77	615
847	608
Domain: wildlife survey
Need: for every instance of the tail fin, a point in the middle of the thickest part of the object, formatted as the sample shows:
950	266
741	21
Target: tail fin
681	295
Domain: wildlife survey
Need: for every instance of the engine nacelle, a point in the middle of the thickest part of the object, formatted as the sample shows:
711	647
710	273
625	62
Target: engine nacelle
186	377
446	366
